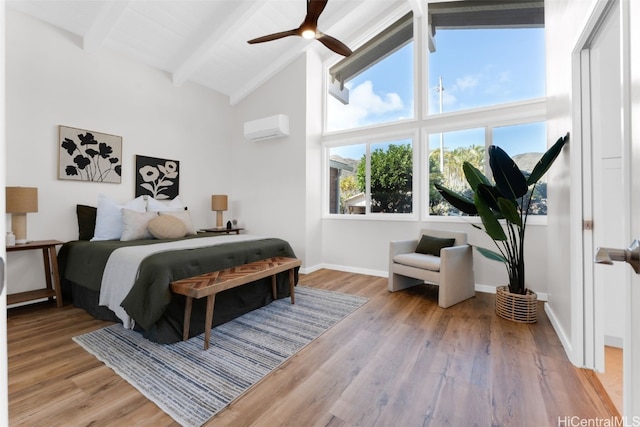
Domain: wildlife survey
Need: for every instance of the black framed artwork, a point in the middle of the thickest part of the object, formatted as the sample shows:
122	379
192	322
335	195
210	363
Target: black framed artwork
90	156
158	178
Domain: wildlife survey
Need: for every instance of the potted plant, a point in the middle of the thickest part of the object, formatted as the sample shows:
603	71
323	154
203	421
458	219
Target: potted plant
508	198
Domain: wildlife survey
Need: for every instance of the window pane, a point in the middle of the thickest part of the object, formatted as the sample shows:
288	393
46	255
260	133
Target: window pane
346	193
526	144
483	67
379	82
447	153
392	177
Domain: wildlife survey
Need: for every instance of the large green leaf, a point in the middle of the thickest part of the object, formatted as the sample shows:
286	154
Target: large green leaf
509	180
459	201
491	254
547	160
490	221
489	195
509	211
474	176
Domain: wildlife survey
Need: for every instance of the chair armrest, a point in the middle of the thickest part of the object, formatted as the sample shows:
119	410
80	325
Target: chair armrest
457	255
402	247
454	250
456	270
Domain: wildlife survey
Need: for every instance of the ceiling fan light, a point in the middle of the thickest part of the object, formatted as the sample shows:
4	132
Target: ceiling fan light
308	34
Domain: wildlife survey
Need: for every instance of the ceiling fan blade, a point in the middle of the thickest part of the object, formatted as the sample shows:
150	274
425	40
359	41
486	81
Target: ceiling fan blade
334	44
274	36
314	9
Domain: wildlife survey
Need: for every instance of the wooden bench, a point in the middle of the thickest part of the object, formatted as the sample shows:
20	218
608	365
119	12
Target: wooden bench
209	284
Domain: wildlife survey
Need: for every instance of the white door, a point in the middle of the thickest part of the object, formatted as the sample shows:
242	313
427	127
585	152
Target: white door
610	192
631	45
611	114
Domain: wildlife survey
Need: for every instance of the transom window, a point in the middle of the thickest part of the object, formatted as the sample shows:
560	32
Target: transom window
482	55
375	84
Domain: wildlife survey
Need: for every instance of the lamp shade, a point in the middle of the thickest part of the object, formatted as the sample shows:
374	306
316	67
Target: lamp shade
21	199
218	202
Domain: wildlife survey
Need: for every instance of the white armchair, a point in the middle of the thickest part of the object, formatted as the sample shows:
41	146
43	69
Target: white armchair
452	271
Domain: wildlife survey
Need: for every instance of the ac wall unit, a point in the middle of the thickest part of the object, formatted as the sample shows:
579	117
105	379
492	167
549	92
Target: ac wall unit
267	128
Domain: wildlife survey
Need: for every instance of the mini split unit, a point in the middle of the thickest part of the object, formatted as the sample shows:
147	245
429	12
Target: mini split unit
267	128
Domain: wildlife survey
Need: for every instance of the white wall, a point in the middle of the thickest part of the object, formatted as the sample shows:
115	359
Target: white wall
363	246
269	177
313	189
52	81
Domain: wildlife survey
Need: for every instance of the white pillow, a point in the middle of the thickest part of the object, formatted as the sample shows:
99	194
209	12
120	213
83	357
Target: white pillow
134	225
185	216
109	217
158	206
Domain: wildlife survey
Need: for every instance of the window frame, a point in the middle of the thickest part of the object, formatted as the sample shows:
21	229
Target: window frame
418	128
489	118
419	76
368	141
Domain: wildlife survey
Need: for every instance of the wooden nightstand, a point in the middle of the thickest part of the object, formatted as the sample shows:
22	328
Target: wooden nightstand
50	270
222	230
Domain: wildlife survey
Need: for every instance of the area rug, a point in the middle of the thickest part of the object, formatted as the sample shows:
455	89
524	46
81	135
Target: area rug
191	384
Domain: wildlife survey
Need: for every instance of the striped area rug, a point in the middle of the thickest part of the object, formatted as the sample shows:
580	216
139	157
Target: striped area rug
192	385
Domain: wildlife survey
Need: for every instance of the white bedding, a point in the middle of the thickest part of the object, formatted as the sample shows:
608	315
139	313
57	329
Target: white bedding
121	269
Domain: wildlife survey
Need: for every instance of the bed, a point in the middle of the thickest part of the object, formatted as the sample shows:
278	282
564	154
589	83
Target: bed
154	310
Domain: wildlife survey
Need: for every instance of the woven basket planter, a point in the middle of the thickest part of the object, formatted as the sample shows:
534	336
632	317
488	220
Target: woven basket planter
516	307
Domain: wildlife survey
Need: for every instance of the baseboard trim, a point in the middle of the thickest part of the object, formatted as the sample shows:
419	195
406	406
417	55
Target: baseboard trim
346	269
562	336
487	289
490	289
611	341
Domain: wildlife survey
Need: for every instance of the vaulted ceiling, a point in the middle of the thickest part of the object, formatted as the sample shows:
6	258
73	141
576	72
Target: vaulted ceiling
205	41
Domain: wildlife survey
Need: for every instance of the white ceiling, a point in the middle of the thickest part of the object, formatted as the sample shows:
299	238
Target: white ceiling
205	41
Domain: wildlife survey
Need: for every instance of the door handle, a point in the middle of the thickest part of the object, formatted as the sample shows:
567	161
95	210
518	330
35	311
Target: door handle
630	255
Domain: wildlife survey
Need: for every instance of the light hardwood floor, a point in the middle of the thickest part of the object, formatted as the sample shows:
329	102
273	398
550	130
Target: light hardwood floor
611	378
399	360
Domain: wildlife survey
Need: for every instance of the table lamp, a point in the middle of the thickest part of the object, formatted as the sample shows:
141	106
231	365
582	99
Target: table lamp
219	204
20	201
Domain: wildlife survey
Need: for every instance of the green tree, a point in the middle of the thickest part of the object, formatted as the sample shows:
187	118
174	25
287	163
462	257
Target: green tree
391	179
452	176
348	188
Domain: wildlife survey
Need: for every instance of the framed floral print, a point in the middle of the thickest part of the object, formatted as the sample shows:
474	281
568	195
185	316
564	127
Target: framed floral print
158	178
89	156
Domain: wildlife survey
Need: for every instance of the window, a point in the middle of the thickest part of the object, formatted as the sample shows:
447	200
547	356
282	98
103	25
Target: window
375	84
486	55
525	143
447	153
485	67
345	194
374	177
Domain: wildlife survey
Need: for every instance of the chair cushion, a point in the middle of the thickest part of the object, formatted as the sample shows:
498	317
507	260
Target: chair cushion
431	245
425	262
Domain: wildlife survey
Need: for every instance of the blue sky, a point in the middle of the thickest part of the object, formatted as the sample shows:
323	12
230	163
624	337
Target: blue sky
478	68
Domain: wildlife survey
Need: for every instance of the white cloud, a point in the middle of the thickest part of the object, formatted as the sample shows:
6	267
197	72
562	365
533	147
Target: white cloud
364	105
466	82
364	97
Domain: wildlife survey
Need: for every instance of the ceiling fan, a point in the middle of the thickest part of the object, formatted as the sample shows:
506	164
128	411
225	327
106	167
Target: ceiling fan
309	30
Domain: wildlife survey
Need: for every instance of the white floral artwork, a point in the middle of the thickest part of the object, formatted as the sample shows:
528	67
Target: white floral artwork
158	178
